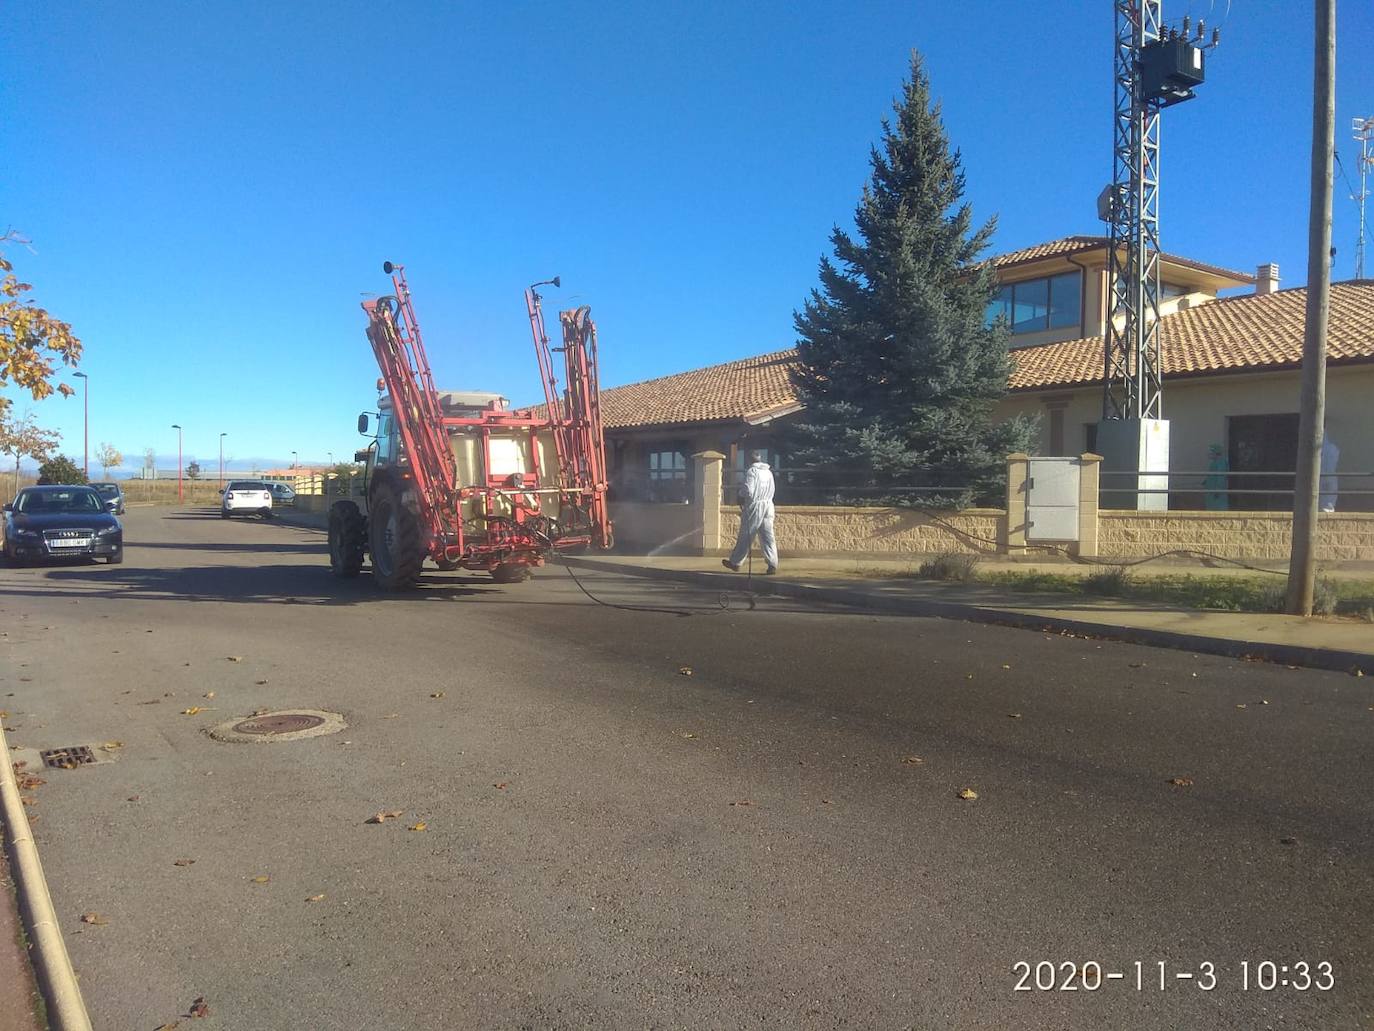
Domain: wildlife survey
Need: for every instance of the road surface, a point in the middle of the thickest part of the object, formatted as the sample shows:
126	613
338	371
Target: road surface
775	840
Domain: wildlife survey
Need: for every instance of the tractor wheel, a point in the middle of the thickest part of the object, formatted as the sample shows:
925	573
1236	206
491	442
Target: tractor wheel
347	540
397	554
511	573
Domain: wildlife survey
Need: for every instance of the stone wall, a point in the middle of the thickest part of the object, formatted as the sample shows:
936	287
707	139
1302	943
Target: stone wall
1341	536
821	530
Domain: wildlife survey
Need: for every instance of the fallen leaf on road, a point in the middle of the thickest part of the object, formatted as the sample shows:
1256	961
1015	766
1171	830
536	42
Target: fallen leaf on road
93	918
1288	841
1357	672
437	694
182	862
743	801
199	1008
418	826
391	715
168	1027
209	694
314	898
968	676
111	746
384	815
1005	666
261	879
1181	782
501	786
825	801
260	682
133	798
234	658
1136	665
968	794
4	715
30	782
19	765
1014	715
686	671
153	701
689	735
27	800
1264	701
913	760
195	710
1241	705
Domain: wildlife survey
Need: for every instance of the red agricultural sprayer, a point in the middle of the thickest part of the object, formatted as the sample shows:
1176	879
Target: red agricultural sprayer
459	478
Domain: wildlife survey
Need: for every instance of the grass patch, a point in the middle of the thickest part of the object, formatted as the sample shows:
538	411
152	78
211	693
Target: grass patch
960	568
1354	598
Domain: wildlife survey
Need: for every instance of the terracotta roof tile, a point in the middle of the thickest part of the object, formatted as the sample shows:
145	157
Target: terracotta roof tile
1080	244
1254	332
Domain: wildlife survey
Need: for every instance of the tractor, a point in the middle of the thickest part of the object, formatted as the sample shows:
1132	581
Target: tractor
461	479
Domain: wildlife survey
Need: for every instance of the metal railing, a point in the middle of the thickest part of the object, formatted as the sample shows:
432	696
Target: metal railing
1236	489
821	487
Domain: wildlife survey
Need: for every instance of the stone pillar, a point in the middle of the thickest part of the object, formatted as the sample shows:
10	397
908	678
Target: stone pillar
1018	470
1090	466
706	497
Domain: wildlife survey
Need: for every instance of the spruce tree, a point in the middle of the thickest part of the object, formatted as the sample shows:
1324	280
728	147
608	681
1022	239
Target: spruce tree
898	369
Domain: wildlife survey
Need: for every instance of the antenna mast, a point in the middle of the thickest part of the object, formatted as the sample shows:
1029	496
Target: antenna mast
1364	135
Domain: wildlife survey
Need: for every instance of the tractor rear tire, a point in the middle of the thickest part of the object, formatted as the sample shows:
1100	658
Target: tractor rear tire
511	573
347	540
397	554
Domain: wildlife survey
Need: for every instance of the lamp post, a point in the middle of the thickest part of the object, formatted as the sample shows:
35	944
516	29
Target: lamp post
331	457
295	461
180	496
85	424
221	459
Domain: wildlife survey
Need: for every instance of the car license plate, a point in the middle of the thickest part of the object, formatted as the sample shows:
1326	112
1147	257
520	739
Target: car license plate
70	542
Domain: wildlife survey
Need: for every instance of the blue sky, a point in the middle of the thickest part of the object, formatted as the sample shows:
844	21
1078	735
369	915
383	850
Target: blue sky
210	189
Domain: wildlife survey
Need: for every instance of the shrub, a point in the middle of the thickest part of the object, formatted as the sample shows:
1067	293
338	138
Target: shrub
1111	583
949	567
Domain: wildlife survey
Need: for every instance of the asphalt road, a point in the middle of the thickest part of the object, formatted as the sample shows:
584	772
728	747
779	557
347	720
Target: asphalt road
775	840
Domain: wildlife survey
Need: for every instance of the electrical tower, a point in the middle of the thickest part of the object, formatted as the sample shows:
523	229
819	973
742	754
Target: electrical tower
1364	135
1154	66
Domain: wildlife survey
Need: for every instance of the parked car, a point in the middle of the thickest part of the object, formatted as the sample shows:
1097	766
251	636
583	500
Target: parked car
111	492
60	521
246	497
282	493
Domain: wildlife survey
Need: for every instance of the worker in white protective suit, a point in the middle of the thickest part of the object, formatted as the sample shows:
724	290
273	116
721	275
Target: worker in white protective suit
755	516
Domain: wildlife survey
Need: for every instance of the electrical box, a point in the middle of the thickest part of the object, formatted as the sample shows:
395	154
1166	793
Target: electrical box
1135	463
1052	499
1169	69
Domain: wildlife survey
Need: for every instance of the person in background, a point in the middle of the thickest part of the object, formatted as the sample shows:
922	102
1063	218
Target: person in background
1215	480
755	515
1330	457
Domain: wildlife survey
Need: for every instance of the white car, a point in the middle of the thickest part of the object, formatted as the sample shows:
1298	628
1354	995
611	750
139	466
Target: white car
246	497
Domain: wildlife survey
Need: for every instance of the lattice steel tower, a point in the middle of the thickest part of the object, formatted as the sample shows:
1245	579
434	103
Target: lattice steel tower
1154	67
1364	135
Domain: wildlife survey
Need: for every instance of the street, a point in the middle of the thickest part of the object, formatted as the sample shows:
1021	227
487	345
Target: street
687	817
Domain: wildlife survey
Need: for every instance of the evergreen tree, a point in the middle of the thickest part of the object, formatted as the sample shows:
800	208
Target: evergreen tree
899	370
60	469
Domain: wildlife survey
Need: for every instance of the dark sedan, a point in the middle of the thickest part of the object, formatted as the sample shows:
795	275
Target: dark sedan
61	522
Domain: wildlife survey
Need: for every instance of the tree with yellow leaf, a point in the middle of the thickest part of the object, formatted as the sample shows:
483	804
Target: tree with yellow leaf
31	340
24	438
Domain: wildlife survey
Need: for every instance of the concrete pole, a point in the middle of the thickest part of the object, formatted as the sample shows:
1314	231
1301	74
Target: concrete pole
1302	571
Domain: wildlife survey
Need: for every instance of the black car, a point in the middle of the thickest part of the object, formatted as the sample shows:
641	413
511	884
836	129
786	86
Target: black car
61	522
111	492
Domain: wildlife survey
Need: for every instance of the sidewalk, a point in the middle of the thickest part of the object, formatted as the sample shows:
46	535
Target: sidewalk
1345	645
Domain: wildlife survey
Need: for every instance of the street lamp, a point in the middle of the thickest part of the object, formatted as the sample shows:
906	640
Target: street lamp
331	457
294	460
85	424
221	460
180	496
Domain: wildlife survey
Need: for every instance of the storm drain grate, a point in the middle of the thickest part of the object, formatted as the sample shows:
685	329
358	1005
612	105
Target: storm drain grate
67	758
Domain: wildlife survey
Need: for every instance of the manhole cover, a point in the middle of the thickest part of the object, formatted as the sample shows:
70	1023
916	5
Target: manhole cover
68	758
281	725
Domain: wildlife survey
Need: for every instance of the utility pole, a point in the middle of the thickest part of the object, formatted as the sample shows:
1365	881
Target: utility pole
1154	67
1364	134
180	496
1302	567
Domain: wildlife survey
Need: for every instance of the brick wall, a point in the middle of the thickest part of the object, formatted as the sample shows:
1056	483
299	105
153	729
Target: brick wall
1341	536
820	530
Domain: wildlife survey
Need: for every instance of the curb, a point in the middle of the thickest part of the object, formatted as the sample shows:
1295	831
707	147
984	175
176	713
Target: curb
1290	654
56	978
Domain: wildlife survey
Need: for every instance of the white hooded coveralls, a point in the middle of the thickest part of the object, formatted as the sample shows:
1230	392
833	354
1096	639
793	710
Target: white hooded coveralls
756	516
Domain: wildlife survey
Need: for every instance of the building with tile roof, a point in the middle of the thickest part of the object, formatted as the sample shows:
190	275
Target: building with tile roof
1230	367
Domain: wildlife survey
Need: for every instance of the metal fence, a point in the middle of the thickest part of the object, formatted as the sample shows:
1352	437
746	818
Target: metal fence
1235	490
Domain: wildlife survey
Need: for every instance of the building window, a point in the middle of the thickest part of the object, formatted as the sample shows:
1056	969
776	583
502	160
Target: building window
1055	302
668	475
